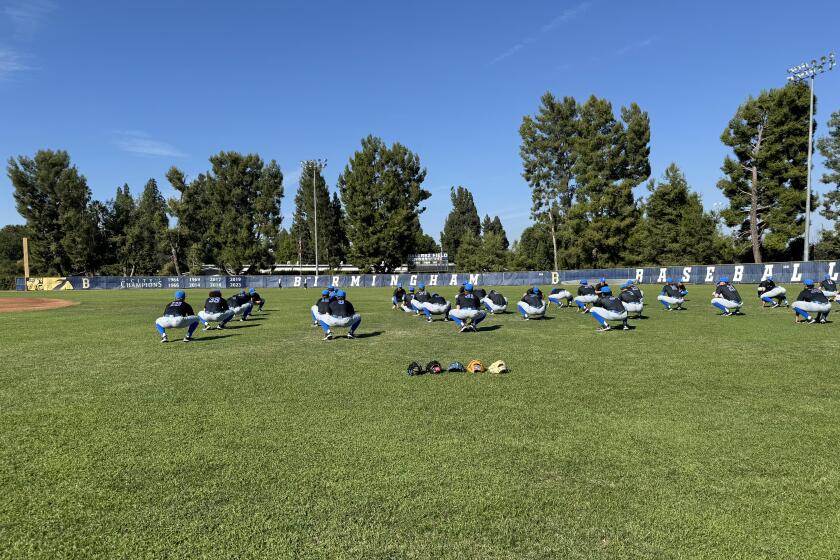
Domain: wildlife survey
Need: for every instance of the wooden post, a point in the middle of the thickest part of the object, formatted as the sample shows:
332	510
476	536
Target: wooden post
25	258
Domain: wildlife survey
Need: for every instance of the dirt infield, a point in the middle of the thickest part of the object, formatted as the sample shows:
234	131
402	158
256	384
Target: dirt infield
9	305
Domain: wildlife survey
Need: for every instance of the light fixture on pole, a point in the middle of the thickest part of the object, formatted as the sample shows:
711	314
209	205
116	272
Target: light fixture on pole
317	166
808	71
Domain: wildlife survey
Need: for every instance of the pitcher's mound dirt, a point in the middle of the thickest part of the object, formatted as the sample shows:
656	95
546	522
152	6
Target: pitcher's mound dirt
8	305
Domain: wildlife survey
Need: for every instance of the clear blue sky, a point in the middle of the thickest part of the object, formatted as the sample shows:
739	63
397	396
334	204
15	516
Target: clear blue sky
131	88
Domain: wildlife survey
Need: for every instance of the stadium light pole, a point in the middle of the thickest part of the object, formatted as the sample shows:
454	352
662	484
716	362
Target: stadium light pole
317	165
809	71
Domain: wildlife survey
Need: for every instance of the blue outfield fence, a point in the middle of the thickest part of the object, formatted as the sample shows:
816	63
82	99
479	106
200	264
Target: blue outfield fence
784	272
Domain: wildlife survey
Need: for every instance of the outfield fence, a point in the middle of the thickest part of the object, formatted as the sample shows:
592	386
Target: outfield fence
782	272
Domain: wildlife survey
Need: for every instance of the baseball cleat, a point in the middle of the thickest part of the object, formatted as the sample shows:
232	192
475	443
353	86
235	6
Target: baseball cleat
605	328
464	328
428	319
187	339
206	328
812	321
625	328
329	336
350	335
164	338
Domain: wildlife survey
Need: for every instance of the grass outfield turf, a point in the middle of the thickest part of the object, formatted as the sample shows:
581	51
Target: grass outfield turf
692	436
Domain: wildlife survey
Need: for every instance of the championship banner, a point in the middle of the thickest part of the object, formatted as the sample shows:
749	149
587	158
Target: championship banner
782	273
47	284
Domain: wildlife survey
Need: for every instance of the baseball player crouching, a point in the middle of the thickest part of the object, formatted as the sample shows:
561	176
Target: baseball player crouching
321	307
671	295
256	299
726	298
811	300
436	304
632	298
532	305
586	295
609	308
557	296
216	310
769	291
407	304
178	315
495	302
341	314
241	305
467	313
829	287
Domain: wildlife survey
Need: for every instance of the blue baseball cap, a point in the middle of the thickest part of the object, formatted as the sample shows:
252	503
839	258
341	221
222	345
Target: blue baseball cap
669	279
583	281
827	277
809	282
331	287
241	291
769	277
399	285
468	287
606	290
411	289
603	279
180	294
535	289
724	279
325	292
626	284
339	294
251	291
421	285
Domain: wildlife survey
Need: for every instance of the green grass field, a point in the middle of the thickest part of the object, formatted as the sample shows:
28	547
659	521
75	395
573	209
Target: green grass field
692	436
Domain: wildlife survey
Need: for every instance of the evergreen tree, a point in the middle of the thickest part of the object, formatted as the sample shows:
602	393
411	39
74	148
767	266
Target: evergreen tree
463	218
828	246
611	159
534	250
425	244
190	239
56	202
230	215
11	255
469	257
495	256
381	192
115	229
303	220
336	248
494	226
674	229
765	181
548	155
146	241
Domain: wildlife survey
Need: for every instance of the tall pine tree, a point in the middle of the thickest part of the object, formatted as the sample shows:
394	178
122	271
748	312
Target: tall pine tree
674	229
55	200
381	190
462	219
611	159
828	247
765	181
146	241
548	156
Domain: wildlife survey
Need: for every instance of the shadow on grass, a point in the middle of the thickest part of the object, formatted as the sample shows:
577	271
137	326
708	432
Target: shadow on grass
369	334
488	328
212	337
245	326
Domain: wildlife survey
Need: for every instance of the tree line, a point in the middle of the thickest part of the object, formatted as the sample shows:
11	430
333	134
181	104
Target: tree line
583	161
